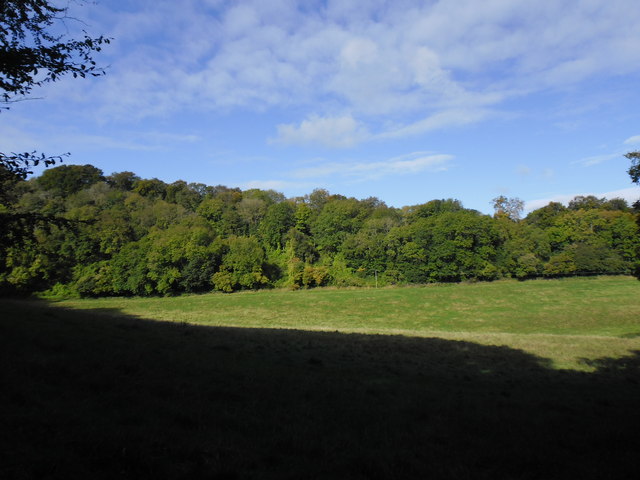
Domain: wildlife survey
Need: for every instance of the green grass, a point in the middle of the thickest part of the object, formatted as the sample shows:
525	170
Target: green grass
459	382
563	320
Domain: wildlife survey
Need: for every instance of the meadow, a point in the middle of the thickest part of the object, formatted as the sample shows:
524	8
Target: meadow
521	380
565	321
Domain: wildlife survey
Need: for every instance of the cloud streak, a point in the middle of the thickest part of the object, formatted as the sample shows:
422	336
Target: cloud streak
635	140
597	159
361	171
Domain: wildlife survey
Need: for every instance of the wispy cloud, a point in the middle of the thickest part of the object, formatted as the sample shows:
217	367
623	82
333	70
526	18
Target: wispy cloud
529	173
26	135
362	171
350	172
632	140
524	170
440	120
548	173
597	159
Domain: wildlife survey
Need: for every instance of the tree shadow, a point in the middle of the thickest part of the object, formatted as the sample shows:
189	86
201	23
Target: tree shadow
89	394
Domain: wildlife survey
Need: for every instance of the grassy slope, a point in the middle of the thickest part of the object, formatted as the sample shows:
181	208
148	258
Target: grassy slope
109	393
562	320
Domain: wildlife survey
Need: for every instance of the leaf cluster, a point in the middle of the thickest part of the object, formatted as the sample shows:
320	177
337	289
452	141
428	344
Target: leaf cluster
634	169
31	55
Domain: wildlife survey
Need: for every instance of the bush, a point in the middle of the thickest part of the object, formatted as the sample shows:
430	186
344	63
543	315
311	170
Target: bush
60	291
306	275
315	276
559	265
223	281
527	266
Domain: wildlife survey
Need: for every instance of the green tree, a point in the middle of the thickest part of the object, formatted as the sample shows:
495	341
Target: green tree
431	208
459	246
243	265
365	251
183	257
185	194
221	213
592	240
336	221
278	220
510	208
317	199
300	245
251	210
616	204
524	251
123	180
634	169
151	188
588	202
634	173
561	264
596	258
303	218
545	217
68	179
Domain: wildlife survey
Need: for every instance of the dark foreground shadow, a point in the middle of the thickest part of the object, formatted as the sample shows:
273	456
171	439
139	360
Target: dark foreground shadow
104	396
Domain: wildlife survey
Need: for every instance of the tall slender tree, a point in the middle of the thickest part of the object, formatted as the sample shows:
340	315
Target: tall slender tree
634	173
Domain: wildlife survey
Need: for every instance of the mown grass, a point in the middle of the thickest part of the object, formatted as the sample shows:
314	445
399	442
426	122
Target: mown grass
565	320
101	389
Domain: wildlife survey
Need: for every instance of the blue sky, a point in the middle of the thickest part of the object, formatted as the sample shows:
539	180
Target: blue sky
404	100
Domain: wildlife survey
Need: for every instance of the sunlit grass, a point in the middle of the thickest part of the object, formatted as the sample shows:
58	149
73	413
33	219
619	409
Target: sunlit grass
564	320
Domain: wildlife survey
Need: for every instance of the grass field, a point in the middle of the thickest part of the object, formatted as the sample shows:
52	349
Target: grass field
564	321
532	380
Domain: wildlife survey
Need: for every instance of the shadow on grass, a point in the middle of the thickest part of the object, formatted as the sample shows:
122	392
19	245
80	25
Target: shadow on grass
89	394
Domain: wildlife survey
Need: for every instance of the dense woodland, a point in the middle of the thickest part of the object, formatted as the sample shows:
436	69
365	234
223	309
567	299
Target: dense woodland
75	231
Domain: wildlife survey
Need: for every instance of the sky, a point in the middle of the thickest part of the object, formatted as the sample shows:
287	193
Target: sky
404	100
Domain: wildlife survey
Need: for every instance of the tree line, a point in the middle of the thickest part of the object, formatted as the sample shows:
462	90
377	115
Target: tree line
120	234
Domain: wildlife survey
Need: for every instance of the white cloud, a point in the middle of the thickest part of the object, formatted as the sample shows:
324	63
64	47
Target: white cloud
342	131
426	64
629	194
361	171
397	166
596	159
632	140
444	119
